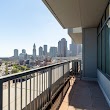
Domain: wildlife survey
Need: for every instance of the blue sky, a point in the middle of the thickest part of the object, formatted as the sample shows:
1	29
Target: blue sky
25	22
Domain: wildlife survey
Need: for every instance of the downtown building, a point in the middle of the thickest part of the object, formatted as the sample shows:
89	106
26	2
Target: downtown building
24	51
34	51
45	50
59	49
73	49
62	48
23	55
16	53
79	49
40	51
53	52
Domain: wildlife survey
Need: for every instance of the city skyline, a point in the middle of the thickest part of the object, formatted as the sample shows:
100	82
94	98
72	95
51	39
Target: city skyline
60	50
22	24
37	49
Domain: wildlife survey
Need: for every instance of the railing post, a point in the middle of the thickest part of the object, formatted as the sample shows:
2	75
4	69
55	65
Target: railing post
63	74
72	67
80	71
50	84
76	67
68	68
1	95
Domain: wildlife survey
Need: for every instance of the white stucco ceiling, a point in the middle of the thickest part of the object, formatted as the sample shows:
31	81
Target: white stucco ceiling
77	13
76	34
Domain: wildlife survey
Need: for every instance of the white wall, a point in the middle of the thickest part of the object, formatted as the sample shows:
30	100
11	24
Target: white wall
104	85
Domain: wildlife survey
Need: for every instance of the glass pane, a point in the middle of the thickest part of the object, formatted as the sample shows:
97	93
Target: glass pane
107	50
99	52
103	50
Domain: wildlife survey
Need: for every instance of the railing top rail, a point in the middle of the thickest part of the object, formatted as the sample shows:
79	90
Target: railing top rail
21	74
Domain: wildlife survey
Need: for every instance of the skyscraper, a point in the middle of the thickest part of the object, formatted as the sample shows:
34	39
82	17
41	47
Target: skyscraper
34	51
53	51
40	51
23	55
73	49
59	48
79	48
15	53
23	51
45	50
63	47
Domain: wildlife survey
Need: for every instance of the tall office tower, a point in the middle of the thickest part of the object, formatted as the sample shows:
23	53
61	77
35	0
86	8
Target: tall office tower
53	51
73	49
63	47
59	48
15	53
23	51
45	50
68	53
40	51
34	51
79	48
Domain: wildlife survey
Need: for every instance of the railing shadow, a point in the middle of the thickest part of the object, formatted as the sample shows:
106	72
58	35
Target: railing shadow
86	95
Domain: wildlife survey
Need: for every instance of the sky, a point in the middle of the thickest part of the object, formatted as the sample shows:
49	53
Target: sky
25	22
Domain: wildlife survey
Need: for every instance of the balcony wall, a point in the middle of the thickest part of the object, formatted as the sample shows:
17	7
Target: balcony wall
104	83
90	53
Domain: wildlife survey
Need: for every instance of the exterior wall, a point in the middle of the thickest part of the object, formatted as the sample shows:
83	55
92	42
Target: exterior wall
73	49
89	53
62	48
53	51
45	50
104	85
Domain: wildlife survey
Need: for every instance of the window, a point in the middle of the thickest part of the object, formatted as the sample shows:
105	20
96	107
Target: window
107	50
104	44
103	50
99	51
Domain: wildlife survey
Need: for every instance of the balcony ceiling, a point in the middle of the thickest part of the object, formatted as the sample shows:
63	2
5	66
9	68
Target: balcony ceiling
77	13
77	38
76	34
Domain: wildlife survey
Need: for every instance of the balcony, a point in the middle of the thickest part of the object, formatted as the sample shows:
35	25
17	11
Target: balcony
84	95
36	89
46	87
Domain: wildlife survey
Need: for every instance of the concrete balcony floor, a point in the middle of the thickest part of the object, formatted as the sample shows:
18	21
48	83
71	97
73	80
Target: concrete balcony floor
84	95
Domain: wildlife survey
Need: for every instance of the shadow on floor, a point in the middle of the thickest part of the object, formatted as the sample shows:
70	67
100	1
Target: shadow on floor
84	95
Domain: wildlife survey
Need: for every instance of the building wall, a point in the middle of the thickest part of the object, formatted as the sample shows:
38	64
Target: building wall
73	49
45	50
59	48
53	51
104	83
103	41
62	48
15	53
40	51
90	53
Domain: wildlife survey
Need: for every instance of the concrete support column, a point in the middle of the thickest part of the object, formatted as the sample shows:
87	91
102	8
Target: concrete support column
89	41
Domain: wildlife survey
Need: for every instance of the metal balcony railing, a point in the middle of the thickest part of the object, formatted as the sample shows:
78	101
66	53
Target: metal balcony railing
35	89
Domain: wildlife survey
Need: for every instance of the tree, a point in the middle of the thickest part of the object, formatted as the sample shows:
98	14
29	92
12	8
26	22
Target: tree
6	69
15	70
